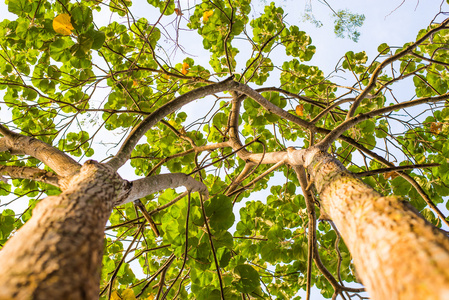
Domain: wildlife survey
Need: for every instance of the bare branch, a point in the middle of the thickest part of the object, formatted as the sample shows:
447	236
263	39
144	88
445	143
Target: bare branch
147	217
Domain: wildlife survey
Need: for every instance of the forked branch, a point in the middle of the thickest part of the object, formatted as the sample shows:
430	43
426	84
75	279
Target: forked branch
55	159
29	173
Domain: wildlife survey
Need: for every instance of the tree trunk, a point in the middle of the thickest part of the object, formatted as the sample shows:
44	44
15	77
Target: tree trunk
397	254
58	253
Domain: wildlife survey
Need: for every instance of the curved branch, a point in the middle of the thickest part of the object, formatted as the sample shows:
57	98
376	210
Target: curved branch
31	173
378	70
348	123
256	96
55	159
242	175
395	169
136	134
149	185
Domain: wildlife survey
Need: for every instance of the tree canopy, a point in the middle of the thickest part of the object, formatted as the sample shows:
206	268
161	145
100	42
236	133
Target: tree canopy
73	78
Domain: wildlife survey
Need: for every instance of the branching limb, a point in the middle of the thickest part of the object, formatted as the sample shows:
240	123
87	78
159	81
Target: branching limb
243	88
20	144
161	269
234	140
378	70
293	95
349	123
242	175
330	108
198	149
145	186
271	169
29	173
136	134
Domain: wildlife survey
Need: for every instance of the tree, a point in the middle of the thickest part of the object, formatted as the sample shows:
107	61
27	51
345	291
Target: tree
345	22
55	64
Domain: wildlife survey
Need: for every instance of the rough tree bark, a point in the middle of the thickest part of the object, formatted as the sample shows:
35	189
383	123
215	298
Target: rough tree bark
57	254
397	254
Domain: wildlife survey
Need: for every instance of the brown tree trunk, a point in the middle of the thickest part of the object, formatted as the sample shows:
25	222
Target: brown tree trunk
397	254
58	253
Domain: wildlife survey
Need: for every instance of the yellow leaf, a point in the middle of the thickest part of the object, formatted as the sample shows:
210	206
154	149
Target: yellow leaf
300	110
135	83
115	296
185	68
62	25
128	294
207	14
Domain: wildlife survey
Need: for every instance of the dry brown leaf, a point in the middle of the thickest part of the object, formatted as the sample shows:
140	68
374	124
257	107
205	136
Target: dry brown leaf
391	175
178	12
435	127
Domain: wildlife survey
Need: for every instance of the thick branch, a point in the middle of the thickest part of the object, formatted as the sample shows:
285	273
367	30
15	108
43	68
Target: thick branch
136	134
30	173
146	186
20	144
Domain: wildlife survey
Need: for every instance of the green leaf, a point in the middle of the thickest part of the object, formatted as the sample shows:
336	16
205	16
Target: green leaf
247	278
19	7
219	211
82	18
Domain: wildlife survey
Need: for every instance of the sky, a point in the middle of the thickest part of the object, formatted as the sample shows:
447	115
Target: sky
394	22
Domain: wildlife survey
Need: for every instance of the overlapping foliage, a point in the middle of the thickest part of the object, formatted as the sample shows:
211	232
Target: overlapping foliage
53	78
